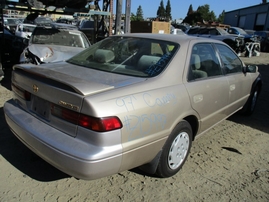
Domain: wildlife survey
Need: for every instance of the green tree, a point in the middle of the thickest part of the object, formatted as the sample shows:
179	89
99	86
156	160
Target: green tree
139	14
221	17
161	11
190	10
133	17
203	13
168	15
193	18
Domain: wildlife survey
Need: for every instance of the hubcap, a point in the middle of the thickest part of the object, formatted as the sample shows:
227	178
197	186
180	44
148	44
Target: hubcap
178	150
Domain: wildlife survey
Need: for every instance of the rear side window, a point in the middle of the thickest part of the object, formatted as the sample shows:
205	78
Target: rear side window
204	62
231	62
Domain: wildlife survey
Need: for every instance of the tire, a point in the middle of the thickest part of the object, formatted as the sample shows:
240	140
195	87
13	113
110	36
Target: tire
175	150
249	107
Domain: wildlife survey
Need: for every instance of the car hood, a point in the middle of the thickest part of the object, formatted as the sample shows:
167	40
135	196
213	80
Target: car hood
53	53
83	80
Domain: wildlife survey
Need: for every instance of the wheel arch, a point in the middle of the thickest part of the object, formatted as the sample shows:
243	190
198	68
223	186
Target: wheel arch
257	82
193	121
151	167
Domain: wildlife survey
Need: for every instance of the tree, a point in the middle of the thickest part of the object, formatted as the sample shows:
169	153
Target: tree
133	17
161	11
221	17
203	13
168	15
190	11
193	18
139	14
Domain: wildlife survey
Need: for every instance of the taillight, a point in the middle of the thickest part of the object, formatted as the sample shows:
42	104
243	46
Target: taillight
21	92
96	124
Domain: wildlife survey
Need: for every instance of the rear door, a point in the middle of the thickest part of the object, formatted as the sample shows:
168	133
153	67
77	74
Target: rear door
209	95
239	83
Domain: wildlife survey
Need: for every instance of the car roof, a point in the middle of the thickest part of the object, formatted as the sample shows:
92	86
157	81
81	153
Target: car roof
172	37
27	24
57	28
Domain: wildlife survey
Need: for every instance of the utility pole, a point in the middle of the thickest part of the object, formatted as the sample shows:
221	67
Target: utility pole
118	17
127	16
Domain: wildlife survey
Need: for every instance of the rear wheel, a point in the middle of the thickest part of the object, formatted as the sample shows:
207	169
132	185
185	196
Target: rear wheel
175	150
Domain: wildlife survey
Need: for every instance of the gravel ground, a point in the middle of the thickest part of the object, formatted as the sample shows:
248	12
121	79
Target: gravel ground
229	163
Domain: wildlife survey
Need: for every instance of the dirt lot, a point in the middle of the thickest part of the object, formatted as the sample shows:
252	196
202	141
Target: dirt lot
229	163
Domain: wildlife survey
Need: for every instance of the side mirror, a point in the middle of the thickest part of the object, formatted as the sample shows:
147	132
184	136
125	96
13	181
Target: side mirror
25	41
250	69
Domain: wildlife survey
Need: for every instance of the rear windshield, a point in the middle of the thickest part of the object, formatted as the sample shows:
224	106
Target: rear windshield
61	37
131	56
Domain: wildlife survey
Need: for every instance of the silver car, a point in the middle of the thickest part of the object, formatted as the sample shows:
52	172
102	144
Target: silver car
53	44
133	100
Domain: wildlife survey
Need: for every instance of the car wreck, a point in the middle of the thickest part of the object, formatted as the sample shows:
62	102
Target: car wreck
52	44
234	41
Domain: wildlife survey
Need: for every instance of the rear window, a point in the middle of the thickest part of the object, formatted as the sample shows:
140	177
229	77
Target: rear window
131	56
61	37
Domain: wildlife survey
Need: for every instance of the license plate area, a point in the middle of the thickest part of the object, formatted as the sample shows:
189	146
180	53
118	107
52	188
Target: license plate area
40	107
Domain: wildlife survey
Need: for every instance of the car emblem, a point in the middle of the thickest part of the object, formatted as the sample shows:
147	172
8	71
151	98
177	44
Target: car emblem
68	105
35	88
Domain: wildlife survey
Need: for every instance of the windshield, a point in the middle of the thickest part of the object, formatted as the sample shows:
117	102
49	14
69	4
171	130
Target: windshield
241	31
127	55
27	28
43	20
61	37
222	31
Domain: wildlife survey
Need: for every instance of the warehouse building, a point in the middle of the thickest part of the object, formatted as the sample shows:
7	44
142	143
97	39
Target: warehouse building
250	18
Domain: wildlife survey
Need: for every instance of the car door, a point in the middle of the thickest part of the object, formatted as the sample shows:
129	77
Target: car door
239	83
209	89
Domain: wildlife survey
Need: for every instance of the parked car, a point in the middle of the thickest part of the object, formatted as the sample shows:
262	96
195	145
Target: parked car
264	37
51	44
87	27
39	21
64	20
240	32
11	23
183	27
234	41
250	32
176	31
132	100
11	48
24	30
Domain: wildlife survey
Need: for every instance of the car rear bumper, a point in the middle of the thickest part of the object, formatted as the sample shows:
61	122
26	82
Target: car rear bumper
66	153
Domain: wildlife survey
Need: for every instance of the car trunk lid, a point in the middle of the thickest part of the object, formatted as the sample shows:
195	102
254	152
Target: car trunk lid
65	87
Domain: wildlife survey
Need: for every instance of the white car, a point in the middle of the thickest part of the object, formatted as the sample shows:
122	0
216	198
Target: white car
24	30
52	44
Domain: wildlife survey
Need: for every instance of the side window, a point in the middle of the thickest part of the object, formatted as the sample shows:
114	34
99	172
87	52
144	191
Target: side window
204	62
231	31
231	62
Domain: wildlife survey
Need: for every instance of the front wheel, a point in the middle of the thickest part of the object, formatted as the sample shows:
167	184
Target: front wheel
175	150
248	109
